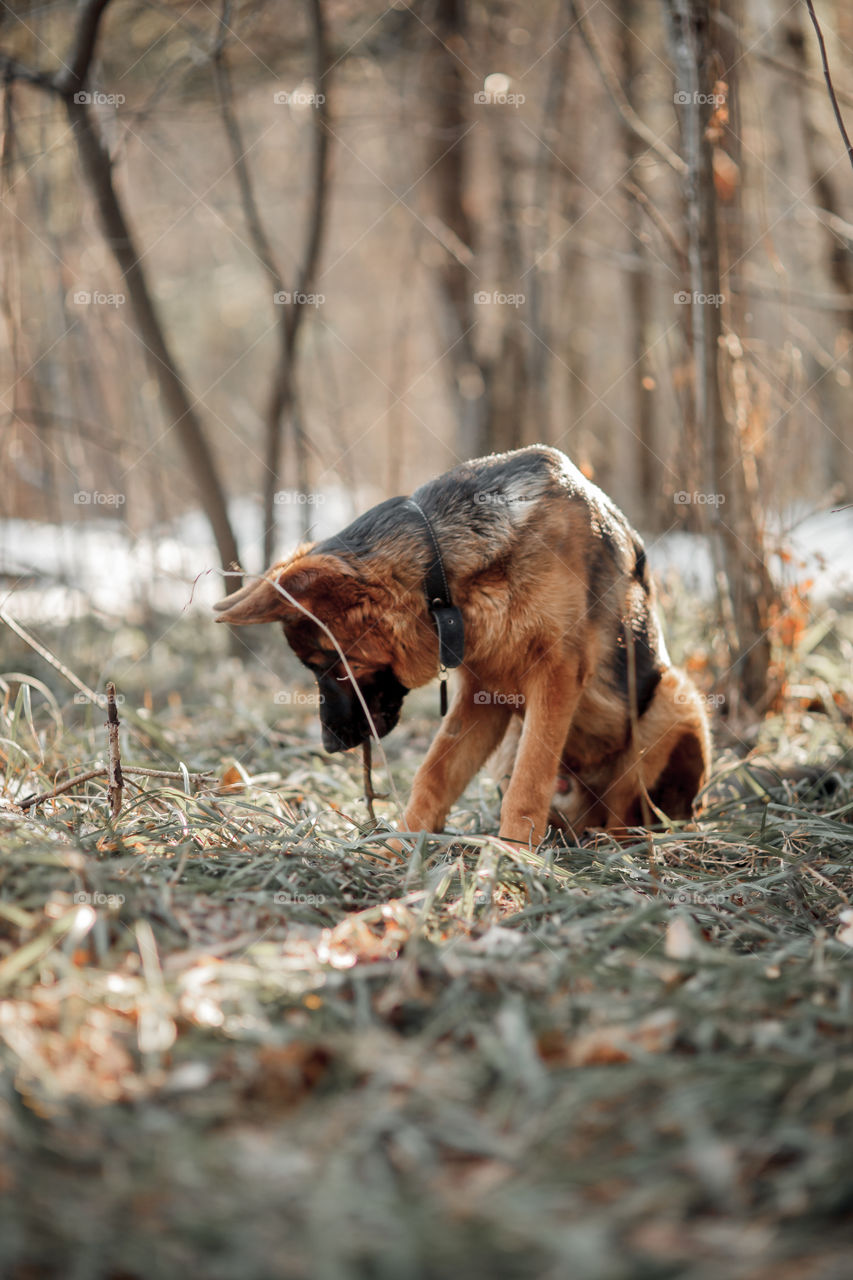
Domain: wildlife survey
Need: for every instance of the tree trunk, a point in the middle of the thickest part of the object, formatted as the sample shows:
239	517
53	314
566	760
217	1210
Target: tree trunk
283	404
833	396
649	475
736	544
447	165
173	391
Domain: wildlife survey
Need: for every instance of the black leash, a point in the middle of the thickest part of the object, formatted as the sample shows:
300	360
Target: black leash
447	617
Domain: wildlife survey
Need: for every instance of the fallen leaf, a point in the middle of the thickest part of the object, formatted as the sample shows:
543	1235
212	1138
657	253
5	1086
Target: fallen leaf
232	780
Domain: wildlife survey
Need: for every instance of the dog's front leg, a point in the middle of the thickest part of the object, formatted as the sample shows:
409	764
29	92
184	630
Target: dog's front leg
550	701
469	733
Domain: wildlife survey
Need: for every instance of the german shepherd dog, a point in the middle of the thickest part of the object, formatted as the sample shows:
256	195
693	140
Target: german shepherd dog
521	572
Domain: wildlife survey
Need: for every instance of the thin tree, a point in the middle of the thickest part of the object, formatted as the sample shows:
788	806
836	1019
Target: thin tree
68	84
447	166
736	543
649	477
283	400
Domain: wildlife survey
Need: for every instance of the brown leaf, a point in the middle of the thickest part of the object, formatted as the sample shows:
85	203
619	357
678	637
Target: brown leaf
726	176
232	780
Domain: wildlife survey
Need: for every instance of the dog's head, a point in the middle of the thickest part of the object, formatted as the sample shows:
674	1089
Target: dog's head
359	613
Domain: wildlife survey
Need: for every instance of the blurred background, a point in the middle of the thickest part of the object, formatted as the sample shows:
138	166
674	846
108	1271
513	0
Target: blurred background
277	261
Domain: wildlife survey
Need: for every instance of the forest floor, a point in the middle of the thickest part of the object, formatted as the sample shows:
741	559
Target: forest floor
242	1039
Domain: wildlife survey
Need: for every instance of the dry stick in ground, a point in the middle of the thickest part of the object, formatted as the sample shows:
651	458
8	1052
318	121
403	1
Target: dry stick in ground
116	783
369	794
645	798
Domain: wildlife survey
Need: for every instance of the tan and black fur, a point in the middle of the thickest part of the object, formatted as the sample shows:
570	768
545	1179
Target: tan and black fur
560	630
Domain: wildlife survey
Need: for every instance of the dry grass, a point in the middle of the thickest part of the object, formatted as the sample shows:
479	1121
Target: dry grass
242	1039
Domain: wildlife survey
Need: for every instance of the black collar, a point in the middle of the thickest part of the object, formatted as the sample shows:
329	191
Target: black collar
446	616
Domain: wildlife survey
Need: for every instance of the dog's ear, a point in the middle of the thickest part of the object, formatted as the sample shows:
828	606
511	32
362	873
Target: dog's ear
316	581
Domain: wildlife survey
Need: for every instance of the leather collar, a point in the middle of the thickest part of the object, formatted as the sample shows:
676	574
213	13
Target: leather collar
445	614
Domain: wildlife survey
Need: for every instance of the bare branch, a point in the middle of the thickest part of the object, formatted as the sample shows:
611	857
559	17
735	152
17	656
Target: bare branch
74	73
222	81
102	772
795	73
316	220
617	96
283	392
636	193
833	99
13	70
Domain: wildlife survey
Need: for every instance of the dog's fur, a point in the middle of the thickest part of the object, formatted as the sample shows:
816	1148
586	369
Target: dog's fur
561	639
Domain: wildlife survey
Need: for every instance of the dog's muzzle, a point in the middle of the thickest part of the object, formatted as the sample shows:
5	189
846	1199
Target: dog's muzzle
342	717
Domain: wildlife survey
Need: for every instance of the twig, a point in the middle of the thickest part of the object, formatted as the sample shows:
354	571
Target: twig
63	786
175	774
636	192
369	794
824	880
617	96
75	72
116	783
813	82
787	68
828	78
103	772
448	239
